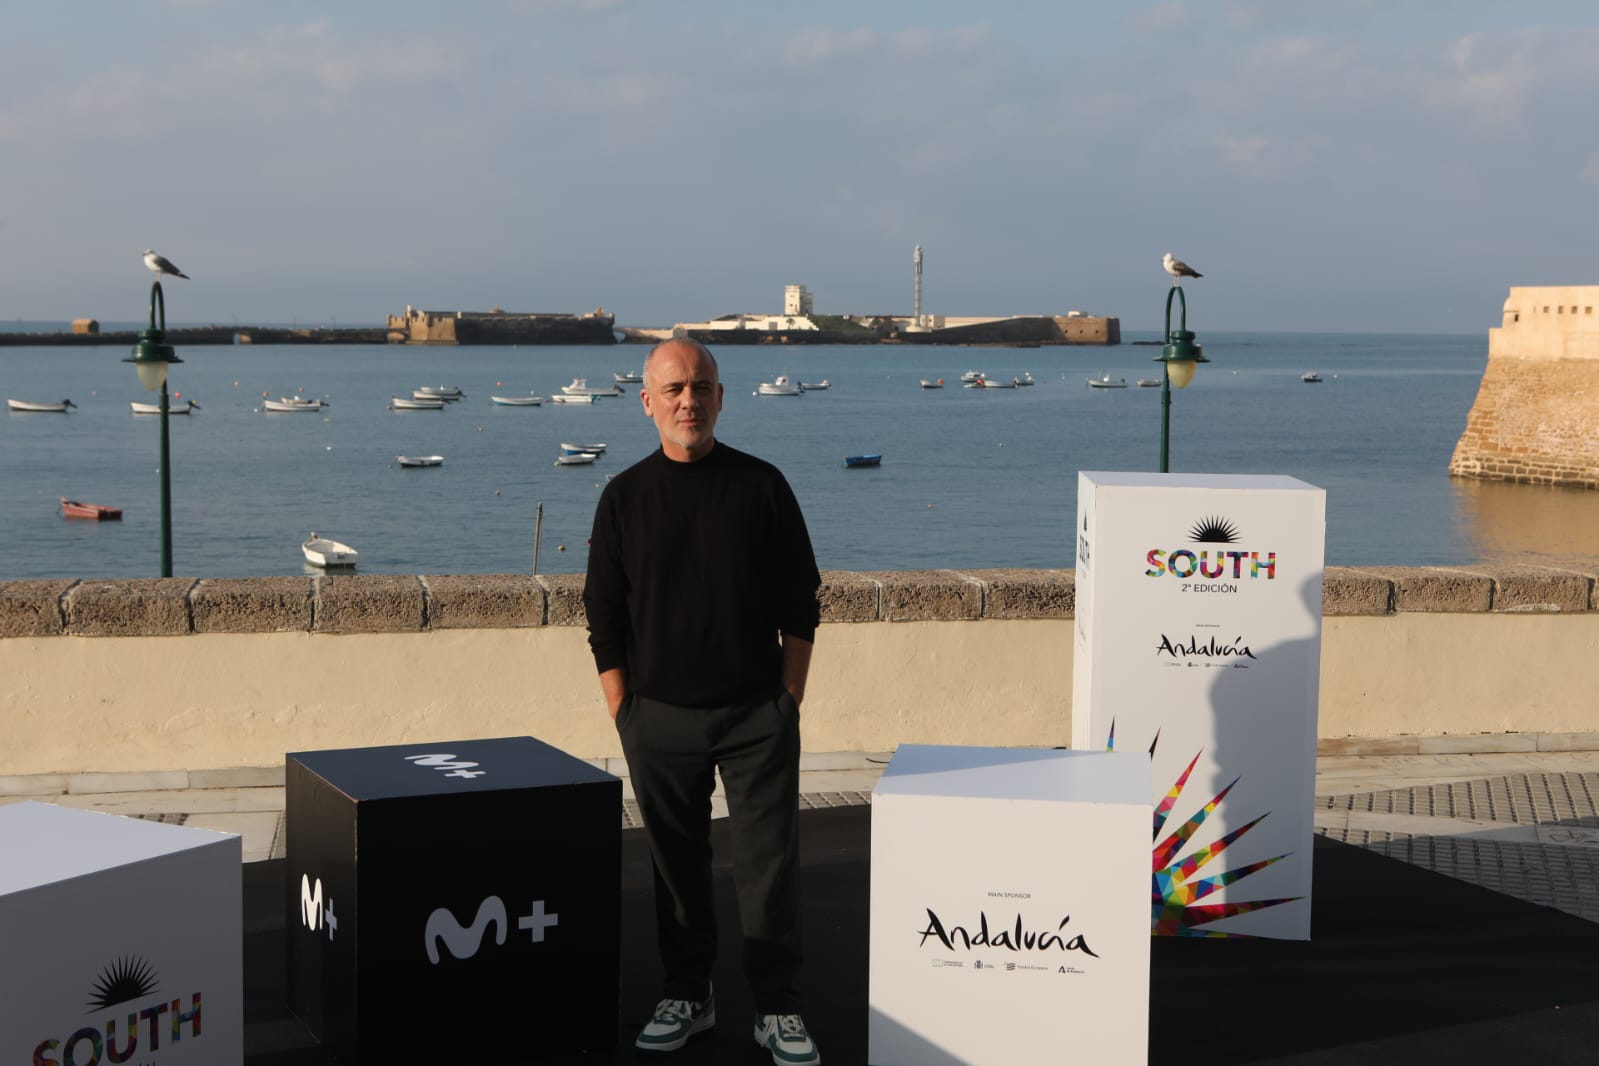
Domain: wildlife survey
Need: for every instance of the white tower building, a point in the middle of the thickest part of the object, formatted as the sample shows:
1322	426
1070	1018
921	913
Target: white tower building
917	258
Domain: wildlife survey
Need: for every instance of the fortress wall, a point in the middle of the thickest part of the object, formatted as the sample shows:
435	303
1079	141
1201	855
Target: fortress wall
174	673
1536	416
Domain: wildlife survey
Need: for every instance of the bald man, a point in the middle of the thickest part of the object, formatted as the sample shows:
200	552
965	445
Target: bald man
702	610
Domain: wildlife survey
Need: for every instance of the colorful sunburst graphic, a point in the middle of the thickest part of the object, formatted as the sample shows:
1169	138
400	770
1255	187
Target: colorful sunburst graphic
1175	892
126	979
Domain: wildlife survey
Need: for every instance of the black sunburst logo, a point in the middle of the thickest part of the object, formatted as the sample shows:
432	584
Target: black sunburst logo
124	980
1214	530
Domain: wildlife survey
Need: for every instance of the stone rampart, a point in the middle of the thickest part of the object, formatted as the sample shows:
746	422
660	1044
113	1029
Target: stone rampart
179	673
1536	416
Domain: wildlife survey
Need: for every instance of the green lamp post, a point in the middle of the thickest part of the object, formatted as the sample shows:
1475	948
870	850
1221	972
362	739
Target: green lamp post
151	357
1177	359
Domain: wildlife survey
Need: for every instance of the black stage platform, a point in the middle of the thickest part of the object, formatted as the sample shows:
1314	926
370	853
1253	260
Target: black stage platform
1405	966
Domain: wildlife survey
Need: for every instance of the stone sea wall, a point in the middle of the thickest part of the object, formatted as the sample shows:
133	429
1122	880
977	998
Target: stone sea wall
1536	416
182	673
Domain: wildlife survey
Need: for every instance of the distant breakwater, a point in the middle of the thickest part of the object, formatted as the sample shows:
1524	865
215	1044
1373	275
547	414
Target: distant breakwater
208	335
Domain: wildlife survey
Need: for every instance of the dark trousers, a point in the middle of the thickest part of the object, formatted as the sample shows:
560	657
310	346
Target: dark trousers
672	757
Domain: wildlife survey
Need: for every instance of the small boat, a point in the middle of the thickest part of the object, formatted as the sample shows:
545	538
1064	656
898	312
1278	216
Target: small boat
936	384
779	387
320	551
400	403
818	387
426	394
628	377
60	407
438	392
578	459
517	401
578	449
1025	380
996	383
971	376
1310	377
862	460
96	511
565	398
172	408
290	403
420	460
1149	383
581	387
1105	381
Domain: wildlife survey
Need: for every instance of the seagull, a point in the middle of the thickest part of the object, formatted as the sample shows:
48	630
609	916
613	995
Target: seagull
1175	267
162	265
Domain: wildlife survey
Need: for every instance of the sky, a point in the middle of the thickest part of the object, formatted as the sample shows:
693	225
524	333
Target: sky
1328	165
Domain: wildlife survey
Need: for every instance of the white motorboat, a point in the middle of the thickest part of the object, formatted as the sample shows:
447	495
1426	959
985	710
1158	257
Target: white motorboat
820	386
1025	380
1149	383
628	377
578	449
400	403
439	392
172	408
320	551
780	387
568	398
972	375
420	460
1310	377
937	383
516	401
581	387
290	403
579	459
991	383
60	407
425	394
1105	381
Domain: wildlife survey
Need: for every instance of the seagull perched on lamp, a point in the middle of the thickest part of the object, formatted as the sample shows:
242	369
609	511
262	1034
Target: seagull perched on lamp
161	264
1175	267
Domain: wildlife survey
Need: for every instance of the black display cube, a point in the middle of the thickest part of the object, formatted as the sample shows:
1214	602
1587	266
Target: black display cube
453	901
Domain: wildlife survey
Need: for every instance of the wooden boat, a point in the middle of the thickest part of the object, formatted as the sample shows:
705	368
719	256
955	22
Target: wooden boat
172	408
581	387
577	459
938	384
420	460
780	387
820	386
1310	377
400	403
568	398
516	401
628	377
320	551
1105	381
59	407
438	392
577	449
1149	383
287	404
96	511
862	460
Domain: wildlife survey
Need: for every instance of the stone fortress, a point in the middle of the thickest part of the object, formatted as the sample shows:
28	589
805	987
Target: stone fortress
1536	417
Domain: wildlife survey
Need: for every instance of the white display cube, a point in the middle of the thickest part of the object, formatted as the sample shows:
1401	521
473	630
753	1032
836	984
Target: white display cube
1008	917
1198	640
121	940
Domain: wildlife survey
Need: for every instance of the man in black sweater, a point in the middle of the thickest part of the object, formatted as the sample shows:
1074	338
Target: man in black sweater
702	609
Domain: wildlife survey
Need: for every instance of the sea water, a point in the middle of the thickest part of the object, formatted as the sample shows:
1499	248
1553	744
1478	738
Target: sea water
969	478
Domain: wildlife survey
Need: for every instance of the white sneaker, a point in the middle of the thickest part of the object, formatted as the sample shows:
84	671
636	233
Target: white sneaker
785	1037
675	1021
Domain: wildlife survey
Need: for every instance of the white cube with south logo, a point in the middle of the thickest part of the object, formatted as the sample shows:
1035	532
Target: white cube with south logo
121	940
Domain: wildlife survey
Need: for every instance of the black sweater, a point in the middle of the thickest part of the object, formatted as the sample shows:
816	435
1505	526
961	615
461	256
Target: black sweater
694	570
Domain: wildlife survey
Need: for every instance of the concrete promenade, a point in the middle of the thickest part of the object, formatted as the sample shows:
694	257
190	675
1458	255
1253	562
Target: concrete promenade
1524	823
